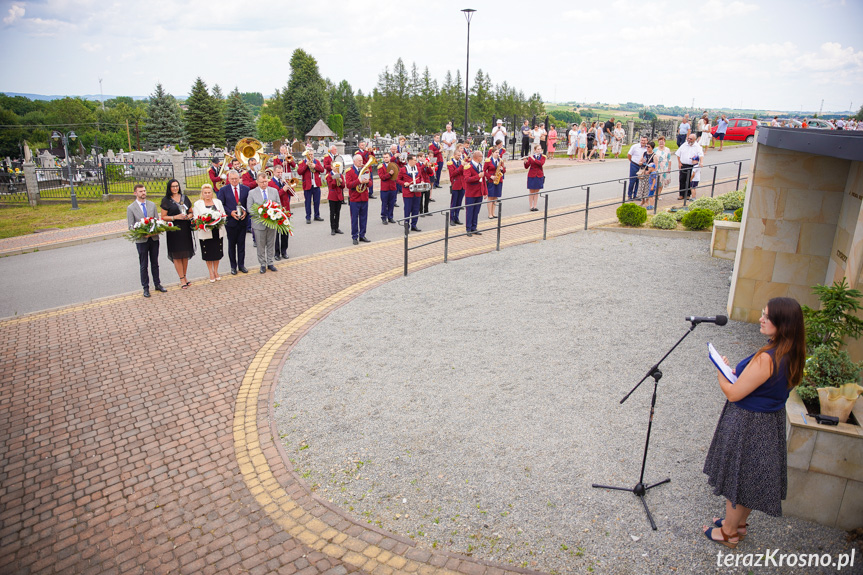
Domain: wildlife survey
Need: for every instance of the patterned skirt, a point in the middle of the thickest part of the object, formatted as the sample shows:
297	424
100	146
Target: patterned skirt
747	460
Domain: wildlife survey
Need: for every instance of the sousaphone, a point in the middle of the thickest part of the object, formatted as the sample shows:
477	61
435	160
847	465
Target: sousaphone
249	148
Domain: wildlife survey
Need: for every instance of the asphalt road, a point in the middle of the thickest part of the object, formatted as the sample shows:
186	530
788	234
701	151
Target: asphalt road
53	278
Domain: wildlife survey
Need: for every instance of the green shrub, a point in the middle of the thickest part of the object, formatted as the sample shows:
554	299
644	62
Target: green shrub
678	215
738	215
732	200
698	219
837	318
631	215
663	221
827	367
712	204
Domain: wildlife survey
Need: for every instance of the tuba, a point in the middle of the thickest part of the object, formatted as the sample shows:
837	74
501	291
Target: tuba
248	148
226	166
362	187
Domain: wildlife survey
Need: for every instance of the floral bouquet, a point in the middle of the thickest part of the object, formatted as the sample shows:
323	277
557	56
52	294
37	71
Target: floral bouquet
208	221
274	216
149	227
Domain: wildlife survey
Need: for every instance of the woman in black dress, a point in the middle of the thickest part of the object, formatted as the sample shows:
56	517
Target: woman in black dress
177	208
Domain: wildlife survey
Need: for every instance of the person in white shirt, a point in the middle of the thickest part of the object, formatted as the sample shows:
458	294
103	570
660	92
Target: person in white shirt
840	124
775	122
636	159
498	133
536	136
688	155
448	141
572	135
617	143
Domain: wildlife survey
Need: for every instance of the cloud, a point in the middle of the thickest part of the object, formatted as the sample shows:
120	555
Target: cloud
726	9
91	47
16	12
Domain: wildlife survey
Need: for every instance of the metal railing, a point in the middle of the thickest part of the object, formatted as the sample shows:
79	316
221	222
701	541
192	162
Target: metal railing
54	182
546	194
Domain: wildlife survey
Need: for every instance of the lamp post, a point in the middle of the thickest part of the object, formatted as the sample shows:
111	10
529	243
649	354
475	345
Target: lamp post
468	14
65	139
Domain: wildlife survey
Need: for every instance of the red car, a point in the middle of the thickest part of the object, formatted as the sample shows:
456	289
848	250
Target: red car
740	129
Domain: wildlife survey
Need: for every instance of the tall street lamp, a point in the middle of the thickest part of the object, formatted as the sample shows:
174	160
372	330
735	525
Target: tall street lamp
468	14
65	138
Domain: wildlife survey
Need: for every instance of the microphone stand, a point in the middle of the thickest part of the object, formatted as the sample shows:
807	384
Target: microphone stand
640	488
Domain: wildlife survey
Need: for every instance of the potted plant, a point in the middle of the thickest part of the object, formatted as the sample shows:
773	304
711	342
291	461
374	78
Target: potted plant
830	376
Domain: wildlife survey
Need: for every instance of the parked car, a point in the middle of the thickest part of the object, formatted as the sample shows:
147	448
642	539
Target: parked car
820	124
739	129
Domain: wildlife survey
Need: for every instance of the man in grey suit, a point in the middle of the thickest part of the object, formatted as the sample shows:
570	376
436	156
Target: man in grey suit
265	236
148	248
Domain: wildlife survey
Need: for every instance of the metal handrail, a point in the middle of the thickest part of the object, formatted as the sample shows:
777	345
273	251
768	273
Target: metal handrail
545	217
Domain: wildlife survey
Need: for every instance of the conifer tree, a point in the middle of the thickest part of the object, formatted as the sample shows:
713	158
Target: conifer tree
239	122
305	99
203	118
164	122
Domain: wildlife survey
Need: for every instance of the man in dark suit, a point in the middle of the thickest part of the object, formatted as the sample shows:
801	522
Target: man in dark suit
148	248
234	197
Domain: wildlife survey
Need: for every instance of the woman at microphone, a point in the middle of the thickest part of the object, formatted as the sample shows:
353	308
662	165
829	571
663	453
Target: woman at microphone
746	462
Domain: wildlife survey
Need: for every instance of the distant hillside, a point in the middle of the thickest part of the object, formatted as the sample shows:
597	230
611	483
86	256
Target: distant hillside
58	97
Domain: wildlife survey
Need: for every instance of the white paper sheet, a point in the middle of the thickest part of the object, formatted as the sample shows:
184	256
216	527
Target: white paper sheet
720	365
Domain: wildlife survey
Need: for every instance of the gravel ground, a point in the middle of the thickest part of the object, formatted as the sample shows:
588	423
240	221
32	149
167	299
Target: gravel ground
485	404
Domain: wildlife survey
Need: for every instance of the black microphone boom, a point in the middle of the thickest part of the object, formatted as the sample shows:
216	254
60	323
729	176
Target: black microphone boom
718	320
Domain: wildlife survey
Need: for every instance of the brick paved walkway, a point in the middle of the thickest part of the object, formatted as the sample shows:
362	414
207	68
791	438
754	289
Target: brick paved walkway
137	433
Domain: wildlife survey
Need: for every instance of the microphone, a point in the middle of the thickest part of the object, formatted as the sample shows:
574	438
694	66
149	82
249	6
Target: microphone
718	320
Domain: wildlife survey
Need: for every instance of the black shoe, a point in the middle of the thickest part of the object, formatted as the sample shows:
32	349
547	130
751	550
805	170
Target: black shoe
477	233
356	242
233	271
332	232
338	231
317	219
146	292
308	221
364	239
415	229
458	223
244	270
263	269
392	221
371	197
254	244
469	234
344	202
161	289
395	205
284	255
384	221
432	199
277	257
272	268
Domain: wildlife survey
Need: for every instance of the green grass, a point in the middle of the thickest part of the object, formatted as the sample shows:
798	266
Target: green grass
24	220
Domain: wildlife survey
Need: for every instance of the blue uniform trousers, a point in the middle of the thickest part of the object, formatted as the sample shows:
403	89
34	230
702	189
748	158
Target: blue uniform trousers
412	208
359	219
313	195
456	200
472	206
388	203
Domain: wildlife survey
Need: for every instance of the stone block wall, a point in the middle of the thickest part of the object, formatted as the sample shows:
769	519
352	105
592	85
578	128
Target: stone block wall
790	225
723	243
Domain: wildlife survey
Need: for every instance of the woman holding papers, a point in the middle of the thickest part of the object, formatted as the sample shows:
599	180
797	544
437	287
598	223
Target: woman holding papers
746	462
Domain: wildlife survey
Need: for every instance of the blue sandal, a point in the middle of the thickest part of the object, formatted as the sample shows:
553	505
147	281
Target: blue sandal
725	537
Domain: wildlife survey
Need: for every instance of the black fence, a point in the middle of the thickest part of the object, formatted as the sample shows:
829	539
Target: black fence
546	216
12	187
55	182
121	177
196	172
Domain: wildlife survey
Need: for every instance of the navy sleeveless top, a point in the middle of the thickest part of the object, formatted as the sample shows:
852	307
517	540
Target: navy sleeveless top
771	395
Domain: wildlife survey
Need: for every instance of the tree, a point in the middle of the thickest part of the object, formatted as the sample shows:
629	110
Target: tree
343	102
239	122
10	138
304	99
164	123
271	128
859	116
336	124
203	119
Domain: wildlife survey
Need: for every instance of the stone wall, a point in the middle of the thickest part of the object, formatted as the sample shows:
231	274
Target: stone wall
723	242
790	227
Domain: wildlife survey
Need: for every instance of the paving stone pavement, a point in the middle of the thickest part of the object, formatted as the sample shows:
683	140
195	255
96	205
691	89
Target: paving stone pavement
137	432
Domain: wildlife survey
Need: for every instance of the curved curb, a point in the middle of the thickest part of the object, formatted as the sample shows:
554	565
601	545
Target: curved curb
328	529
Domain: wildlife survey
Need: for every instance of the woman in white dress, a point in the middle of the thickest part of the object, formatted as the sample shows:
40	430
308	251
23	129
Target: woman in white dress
572	150
704	128
211	241
617	144
600	143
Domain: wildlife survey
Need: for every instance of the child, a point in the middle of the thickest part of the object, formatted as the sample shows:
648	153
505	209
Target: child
335	196
696	175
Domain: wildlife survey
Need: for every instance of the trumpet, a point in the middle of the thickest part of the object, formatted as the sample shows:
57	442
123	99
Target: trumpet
309	154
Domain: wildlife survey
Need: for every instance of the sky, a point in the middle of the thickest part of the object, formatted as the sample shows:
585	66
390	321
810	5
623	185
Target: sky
759	54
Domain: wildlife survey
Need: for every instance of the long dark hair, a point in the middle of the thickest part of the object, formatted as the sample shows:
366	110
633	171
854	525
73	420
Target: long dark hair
790	338
171	183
